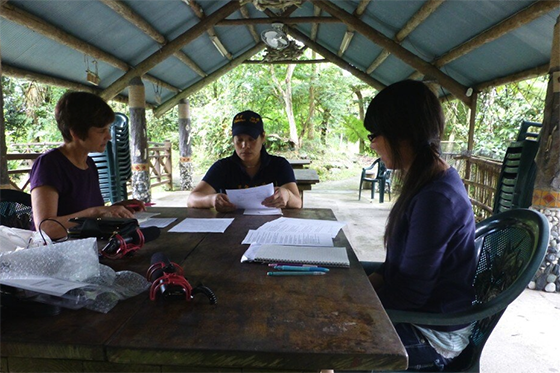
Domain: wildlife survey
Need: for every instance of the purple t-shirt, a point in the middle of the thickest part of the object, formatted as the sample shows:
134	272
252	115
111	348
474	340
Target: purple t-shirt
77	189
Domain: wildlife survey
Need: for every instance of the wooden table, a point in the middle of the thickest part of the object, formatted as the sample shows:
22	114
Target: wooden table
305	178
299	163
260	323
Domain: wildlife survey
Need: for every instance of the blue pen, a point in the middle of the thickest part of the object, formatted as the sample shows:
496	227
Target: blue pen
301	269
287	273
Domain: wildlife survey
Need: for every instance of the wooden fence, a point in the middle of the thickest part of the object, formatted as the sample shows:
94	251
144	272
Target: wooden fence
21	157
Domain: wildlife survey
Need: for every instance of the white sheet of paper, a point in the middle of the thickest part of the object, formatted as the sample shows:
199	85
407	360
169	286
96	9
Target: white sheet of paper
293	225
288	238
45	285
211	225
157	222
268	211
250	198
142	216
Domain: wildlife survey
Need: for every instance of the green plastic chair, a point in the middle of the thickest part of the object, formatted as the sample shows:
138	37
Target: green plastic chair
382	178
15	209
511	246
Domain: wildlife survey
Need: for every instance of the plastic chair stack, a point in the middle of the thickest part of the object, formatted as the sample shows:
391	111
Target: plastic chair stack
114	164
15	209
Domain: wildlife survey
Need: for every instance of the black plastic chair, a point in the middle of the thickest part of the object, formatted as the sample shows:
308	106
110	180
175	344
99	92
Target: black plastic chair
511	245
382	179
15	209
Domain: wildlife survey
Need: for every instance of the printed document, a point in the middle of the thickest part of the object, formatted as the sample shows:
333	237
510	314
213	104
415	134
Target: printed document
288	238
303	226
251	198
211	225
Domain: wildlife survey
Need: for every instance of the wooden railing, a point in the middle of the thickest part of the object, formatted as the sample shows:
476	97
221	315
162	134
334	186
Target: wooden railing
22	156
480	176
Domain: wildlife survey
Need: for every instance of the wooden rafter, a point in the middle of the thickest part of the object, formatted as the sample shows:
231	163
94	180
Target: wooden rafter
517	20
285	62
403	54
420	16
18	73
315	26
199	12
127	13
252	30
170	48
172	102
349	34
36	24
332	57
273	19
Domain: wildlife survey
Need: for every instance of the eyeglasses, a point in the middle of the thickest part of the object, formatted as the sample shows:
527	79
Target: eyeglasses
372	136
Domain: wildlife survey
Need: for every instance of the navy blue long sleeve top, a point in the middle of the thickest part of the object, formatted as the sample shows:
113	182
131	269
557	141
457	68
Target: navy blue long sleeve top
431	257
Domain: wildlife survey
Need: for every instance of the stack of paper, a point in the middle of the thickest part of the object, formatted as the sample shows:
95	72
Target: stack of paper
304	241
251	199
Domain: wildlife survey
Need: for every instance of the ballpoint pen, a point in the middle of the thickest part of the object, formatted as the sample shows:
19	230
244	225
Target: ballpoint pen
287	273
301	269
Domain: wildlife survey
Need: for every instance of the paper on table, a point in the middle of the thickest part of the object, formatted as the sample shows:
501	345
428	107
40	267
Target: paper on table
157	222
293	225
268	211
250	198
288	238
211	225
325	256
142	216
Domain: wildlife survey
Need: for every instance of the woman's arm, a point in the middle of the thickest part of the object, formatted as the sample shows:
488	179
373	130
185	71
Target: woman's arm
204	196
44	204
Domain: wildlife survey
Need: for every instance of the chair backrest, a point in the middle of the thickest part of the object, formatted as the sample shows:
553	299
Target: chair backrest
512	246
370	170
15	209
524	132
517	177
114	164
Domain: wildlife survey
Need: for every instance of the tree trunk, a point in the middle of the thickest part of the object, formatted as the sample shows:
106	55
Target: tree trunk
185	147
4	177
361	114
287	95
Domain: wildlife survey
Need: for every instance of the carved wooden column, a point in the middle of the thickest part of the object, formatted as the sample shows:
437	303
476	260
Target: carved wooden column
4	177
546	195
139	141
185	147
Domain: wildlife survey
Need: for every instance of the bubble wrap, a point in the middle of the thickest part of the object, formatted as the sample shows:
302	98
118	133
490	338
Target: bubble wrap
74	260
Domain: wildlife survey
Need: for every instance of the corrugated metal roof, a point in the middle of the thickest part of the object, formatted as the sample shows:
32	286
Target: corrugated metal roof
97	25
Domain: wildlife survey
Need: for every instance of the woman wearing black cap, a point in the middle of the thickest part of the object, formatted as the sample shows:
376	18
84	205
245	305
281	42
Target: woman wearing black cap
248	167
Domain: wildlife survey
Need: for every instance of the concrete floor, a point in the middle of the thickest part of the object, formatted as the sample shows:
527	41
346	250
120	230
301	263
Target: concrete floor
527	338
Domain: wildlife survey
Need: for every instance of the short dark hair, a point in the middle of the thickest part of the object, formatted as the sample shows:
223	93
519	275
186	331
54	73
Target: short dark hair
80	111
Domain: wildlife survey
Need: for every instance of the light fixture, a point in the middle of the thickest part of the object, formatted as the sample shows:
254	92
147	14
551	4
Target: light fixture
92	76
275	37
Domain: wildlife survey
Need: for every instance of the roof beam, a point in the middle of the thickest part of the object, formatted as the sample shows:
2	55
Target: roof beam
516	77
420	16
15	72
199	12
252	30
21	17
517	20
349	35
332	57
170	48
285	62
172	102
315	26
127	13
404	54
277	19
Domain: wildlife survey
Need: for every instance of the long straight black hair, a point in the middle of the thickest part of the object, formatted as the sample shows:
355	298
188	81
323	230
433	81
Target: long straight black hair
409	112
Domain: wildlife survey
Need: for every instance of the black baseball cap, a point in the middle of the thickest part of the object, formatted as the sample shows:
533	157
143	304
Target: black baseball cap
247	123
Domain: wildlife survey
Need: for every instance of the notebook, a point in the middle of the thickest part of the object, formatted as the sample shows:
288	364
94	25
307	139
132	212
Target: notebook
321	255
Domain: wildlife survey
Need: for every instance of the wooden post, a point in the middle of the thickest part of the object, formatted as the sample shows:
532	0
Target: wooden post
139	141
470	142
4	177
546	194
185	148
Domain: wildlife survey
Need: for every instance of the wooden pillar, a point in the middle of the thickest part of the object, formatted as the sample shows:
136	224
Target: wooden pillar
546	194
139	141
470	141
185	147
4	177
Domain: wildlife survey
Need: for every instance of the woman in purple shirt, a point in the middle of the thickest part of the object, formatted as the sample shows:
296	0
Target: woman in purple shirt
429	237
64	181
